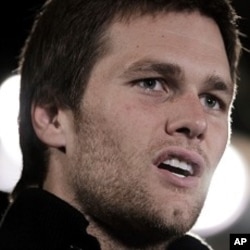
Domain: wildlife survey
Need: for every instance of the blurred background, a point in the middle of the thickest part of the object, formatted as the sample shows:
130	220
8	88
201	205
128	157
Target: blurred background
227	209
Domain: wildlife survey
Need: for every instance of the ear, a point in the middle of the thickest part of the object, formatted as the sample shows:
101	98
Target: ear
46	122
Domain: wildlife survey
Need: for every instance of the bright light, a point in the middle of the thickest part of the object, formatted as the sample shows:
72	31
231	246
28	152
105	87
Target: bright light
227	197
10	155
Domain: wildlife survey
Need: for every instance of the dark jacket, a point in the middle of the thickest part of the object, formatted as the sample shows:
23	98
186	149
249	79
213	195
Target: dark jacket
38	220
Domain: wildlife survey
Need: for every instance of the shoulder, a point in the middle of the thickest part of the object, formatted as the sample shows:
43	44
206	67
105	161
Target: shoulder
189	242
37	220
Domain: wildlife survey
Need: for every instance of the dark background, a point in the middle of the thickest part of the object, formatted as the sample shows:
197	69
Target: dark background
16	18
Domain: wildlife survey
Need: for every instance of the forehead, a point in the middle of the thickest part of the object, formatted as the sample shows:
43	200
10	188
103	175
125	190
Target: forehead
167	27
189	38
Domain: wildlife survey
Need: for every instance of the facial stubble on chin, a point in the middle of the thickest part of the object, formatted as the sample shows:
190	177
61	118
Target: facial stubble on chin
112	195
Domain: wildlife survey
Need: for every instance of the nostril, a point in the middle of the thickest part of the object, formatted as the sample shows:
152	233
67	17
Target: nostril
184	130
190	133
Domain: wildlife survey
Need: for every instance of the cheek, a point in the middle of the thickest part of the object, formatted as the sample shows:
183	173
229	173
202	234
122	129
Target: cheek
218	136
142	115
138	121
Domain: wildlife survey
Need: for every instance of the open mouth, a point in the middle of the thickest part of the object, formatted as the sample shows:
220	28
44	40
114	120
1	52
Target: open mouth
177	167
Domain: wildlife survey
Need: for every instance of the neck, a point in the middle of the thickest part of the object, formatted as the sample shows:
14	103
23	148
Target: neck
109	241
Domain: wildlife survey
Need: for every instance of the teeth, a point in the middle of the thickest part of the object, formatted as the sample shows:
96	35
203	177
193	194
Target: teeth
174	162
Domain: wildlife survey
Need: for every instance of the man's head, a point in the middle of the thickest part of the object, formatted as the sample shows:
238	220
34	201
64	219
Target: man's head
128	102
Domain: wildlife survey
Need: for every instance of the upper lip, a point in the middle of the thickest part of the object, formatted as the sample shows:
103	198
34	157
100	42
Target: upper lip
189	156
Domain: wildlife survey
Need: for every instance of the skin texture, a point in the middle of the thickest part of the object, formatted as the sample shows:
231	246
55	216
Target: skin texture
109	170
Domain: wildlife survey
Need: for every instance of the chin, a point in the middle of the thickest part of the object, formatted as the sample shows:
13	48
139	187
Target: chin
178	217
152	227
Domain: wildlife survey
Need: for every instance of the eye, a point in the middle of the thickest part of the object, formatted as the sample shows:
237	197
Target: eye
153	84
211	102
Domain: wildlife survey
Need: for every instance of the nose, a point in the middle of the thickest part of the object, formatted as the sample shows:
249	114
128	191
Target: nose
187	118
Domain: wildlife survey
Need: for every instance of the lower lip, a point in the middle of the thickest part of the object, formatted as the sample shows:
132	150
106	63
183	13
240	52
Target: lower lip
181	182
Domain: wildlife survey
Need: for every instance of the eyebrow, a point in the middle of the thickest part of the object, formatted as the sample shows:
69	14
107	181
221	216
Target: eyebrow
149	66
215	82
174	71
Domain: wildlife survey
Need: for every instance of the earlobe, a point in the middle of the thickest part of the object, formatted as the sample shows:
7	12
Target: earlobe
46	123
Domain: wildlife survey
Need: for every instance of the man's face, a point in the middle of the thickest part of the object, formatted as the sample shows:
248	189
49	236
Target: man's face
154	124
